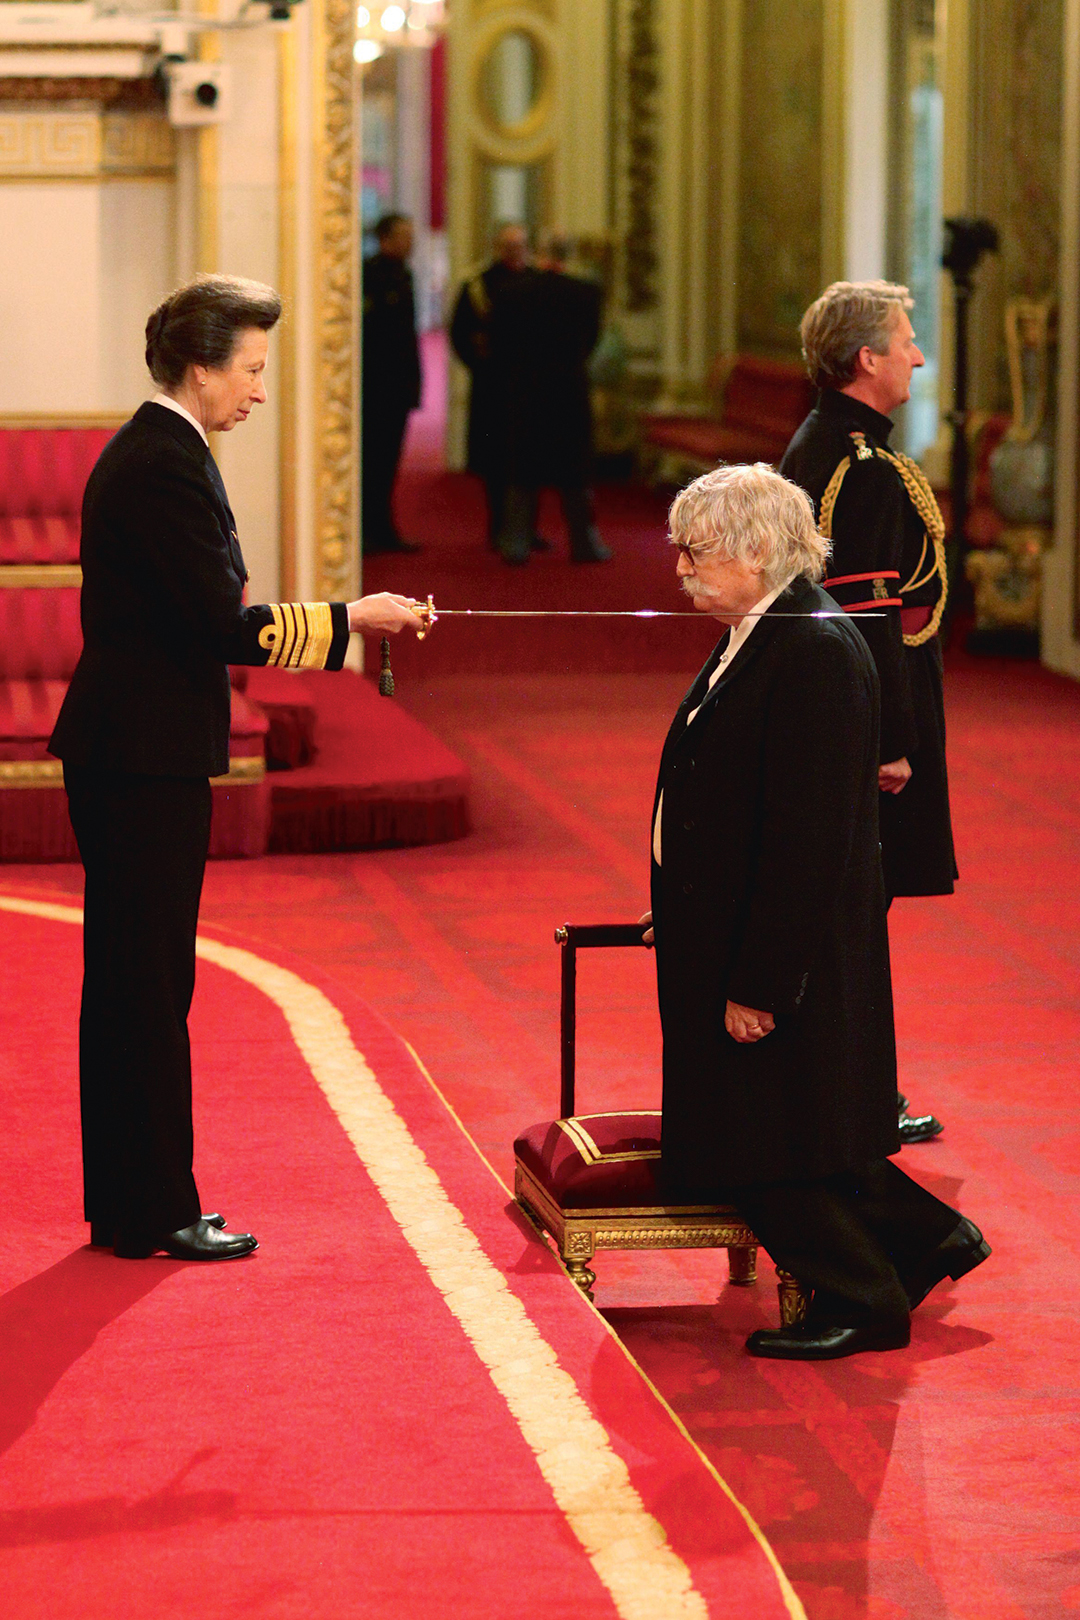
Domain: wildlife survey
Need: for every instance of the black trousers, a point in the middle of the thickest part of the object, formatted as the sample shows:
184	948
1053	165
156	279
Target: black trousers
518	518
852	1238
143	842
383	435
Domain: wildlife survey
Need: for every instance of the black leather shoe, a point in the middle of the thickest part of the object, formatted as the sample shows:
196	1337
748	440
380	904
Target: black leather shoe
807	1341
918	1128
963	1250
103	1236
199	1241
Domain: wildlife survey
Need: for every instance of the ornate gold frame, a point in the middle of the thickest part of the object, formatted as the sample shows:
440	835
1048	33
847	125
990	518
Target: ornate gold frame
337	299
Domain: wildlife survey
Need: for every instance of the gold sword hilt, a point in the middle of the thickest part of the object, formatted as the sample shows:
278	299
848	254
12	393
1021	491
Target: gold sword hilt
425	612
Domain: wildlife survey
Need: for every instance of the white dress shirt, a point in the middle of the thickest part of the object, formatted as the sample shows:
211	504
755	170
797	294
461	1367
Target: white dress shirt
737	639
171	404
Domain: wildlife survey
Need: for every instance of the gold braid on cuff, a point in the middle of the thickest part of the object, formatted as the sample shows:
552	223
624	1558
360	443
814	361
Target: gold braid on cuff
300	636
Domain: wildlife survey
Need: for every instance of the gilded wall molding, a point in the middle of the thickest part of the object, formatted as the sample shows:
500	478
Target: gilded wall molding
66	144
336	304
641	254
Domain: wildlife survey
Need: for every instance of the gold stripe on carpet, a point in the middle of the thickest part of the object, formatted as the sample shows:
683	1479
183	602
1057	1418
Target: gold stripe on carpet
588	1479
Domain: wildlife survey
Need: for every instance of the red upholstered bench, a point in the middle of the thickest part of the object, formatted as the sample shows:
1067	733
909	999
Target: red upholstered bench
590	1180
43	471
762	402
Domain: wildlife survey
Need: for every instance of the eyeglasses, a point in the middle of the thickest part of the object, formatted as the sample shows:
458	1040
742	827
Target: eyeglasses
692	552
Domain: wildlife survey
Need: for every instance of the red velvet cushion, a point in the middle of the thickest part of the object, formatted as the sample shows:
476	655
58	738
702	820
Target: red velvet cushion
40	634
39	539
28	711
288	706
44	470
595	1161
247	728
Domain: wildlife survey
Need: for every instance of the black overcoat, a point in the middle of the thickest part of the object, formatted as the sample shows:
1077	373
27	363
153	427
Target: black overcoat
390	350
163	611
543	331
876	529
470	334
770	894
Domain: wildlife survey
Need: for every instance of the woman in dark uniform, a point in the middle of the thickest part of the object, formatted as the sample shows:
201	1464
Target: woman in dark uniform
144	726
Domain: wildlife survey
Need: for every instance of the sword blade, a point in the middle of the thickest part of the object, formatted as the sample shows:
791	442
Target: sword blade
628	613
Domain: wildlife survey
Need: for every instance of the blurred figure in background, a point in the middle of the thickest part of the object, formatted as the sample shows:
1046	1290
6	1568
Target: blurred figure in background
470	334
543	330
391	378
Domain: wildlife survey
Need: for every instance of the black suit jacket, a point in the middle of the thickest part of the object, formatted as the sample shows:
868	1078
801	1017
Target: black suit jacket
163	611
770	894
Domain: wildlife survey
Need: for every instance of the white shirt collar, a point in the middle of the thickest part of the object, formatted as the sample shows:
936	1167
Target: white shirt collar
181	410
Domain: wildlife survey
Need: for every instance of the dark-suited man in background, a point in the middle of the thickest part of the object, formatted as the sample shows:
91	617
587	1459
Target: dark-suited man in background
543	330
143	727
888	555
470	334
391	379
769	921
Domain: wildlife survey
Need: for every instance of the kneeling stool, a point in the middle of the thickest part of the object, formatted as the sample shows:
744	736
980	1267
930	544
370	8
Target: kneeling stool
590	1179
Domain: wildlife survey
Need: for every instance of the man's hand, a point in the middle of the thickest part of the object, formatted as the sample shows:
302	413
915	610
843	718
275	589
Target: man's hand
895	777
645	921
746	1024
384	614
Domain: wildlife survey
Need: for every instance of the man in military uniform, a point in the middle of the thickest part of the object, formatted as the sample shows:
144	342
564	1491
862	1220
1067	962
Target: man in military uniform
391	378
470	334
889	558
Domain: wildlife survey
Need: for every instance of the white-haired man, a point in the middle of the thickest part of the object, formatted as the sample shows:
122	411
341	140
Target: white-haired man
888	555
769	923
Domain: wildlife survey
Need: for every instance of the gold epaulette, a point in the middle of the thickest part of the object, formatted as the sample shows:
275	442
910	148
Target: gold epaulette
479	297
300	637
925	503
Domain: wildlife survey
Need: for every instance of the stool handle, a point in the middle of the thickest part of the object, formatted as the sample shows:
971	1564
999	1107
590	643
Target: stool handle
574	937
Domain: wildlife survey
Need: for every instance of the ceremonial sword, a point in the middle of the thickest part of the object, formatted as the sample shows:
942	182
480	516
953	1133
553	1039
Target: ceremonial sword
429	616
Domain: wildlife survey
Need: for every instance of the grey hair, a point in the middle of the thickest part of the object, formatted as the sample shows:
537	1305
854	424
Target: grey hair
750	514
849	316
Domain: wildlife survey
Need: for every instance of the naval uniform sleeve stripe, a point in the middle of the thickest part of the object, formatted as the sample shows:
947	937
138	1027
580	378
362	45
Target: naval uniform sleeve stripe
320	639
289	613
303	631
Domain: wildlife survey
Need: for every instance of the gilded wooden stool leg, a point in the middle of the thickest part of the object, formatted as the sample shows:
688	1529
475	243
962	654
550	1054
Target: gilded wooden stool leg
742	1264
582	1275
793	1301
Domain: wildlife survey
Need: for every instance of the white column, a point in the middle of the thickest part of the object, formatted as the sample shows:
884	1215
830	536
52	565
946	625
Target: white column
247	229
866	104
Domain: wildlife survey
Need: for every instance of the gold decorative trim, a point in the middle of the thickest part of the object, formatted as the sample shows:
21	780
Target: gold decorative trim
586	1146
37	576
31	773
61	419
337	303
54	144
245	770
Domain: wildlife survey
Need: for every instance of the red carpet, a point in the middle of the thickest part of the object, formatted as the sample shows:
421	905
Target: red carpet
361	1420
937	1483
